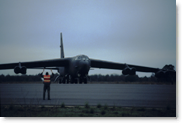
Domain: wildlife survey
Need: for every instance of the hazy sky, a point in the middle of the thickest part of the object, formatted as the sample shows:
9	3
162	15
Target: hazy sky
140	32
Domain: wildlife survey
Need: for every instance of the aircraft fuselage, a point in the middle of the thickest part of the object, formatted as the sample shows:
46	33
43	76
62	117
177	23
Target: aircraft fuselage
79	66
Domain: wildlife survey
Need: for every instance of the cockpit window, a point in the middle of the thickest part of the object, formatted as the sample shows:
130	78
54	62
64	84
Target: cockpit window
78	58
82	58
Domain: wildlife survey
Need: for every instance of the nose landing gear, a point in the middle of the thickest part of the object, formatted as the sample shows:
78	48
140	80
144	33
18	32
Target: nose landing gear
73	80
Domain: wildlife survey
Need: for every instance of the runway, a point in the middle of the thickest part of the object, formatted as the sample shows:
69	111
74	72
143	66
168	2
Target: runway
128	95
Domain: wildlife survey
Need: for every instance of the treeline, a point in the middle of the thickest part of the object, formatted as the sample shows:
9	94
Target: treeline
21	78
92	78
122	78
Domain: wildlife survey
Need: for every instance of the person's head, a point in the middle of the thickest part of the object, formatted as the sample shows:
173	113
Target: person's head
47	73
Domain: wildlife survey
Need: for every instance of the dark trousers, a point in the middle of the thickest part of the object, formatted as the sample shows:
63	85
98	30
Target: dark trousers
46	88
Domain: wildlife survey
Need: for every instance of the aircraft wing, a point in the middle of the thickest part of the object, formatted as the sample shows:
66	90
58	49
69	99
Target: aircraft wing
120	66
37	64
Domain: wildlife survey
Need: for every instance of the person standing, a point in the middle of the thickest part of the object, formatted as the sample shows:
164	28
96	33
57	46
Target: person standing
47	81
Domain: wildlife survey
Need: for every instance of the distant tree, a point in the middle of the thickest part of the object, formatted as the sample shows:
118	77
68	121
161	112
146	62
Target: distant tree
153	78
99	77
112	78
145	78
106	78
92	78
122	78
8	78
2	78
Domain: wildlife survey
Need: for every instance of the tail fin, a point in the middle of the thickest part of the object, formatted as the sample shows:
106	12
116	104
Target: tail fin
61	47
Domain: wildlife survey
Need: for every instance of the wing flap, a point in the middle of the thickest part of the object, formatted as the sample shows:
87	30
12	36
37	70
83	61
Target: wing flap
120	66
37	64
106	64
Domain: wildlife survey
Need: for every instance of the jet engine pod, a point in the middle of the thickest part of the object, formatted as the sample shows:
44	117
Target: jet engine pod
21	70
132	71
170	74
17	70
160	74
129	71
125	71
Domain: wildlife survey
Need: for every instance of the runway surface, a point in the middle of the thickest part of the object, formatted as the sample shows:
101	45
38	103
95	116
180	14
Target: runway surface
128	95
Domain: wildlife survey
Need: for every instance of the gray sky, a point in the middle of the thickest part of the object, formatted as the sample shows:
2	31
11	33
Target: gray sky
140	32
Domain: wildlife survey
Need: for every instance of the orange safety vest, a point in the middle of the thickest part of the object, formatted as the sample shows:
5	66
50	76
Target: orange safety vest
47	78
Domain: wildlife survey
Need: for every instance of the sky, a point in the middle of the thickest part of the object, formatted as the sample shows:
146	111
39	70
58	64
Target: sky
139	32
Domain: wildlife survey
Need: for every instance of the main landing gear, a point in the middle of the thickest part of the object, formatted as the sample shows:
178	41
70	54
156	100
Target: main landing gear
81	80
67	79
63	80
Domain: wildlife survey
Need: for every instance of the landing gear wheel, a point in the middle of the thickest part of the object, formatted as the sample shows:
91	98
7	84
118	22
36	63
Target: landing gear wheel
80	80
85	80
60	81
63	80
67	79
75	81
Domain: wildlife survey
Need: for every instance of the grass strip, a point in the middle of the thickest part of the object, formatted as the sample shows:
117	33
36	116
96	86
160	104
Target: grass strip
83	111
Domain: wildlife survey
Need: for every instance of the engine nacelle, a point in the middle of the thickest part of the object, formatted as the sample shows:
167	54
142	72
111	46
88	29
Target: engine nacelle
165	74
126	71
129	71
160	74
21	70
132	71
17	70
170	73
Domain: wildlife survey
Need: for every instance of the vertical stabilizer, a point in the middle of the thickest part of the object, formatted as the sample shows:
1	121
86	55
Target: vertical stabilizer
61	47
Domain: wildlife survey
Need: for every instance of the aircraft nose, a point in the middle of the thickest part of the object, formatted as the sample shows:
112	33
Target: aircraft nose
84	66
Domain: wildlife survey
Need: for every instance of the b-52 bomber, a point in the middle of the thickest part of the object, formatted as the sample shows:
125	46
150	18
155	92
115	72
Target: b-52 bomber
74	69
